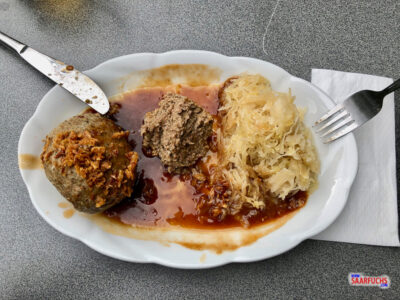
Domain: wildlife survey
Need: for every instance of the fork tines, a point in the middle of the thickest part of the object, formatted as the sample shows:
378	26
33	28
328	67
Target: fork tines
335	124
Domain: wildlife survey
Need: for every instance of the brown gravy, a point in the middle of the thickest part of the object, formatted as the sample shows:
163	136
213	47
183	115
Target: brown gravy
29	162
68	213
188	74
64	204
161	199
191	74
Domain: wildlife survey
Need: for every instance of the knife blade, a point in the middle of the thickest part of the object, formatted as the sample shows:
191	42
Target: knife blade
78	84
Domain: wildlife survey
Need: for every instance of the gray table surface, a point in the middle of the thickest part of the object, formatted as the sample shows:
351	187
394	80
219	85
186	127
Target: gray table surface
36	261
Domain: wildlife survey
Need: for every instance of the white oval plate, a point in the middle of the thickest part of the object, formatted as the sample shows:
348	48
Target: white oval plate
338	165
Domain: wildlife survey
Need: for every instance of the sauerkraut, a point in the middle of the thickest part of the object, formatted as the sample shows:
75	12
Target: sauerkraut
264	145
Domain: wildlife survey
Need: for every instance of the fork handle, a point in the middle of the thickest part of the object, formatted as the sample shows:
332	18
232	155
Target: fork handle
391	88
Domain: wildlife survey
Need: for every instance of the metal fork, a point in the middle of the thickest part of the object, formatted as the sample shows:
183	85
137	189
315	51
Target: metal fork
352	113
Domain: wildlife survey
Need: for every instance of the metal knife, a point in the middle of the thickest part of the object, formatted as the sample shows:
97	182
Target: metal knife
64	75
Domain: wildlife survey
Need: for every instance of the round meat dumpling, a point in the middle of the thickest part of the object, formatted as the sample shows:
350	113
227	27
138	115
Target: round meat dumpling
177	132
90	162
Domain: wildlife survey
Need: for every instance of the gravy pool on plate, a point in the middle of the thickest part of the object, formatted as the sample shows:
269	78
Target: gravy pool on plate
164	199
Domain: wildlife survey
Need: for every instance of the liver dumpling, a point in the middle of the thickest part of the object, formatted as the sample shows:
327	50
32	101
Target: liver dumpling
177	132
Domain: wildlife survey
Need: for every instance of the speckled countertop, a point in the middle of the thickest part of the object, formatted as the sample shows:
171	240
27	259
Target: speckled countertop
38	262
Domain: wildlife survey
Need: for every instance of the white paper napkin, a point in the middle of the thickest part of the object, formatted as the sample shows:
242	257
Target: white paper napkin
370	216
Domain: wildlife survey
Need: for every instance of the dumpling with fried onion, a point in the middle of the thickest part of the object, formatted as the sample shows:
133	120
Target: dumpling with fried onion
90	162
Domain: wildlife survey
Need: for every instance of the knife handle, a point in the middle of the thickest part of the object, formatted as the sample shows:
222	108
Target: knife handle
14	44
